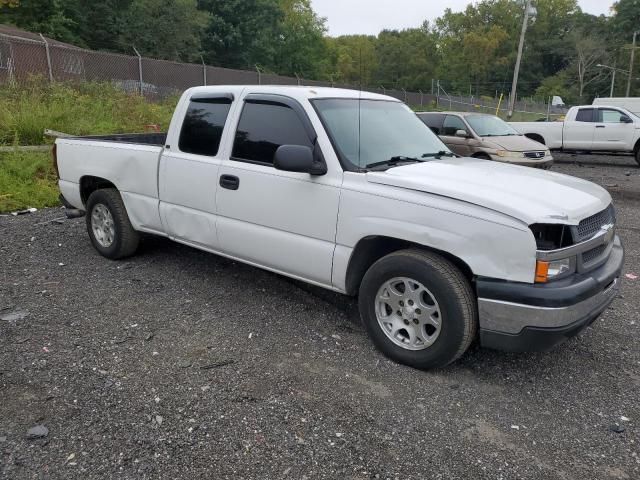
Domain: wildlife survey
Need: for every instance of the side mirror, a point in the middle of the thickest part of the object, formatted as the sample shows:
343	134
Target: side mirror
298	158
625	119
462	134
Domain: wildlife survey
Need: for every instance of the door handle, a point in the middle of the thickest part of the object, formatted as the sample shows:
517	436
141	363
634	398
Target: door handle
600	126
230	182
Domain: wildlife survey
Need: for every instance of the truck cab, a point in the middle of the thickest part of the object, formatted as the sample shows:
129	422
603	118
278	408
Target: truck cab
589	128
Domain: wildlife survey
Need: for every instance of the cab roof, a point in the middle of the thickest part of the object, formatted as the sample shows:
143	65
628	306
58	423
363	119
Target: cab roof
297	92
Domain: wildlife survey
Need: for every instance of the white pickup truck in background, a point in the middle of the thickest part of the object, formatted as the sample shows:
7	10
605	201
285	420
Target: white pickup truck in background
352	192
588	129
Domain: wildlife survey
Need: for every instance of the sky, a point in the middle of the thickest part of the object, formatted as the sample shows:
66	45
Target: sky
371	16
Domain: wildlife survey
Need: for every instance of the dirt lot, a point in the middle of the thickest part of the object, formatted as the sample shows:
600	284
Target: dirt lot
181	364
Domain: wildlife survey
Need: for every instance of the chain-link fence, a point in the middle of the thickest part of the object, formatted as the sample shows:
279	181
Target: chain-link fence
21	58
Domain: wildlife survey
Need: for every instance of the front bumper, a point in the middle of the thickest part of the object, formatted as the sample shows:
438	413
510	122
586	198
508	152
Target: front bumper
545	162
526	317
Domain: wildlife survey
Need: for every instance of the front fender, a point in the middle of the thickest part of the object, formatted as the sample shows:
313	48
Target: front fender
491	244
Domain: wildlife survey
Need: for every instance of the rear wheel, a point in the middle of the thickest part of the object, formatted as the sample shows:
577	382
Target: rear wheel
638	154
418	308
108	225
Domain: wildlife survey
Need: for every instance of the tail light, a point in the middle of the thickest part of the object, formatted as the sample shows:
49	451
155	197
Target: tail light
54	153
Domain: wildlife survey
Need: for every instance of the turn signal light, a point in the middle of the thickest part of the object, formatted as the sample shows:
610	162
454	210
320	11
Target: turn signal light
542	271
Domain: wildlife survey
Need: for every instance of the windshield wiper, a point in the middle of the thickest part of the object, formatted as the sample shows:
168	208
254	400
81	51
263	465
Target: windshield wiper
438	155
394	161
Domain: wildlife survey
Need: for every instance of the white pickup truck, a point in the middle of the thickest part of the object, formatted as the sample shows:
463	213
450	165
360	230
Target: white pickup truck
590	129
352	192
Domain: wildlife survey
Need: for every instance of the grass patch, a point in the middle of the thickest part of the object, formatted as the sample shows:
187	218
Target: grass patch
78	109
27	179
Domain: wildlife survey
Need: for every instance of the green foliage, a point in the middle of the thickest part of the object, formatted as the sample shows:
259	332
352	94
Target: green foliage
98	24
406	59
27	179
556	85
300	45
471	49
168	29
240	33
87	108
352	58
43	16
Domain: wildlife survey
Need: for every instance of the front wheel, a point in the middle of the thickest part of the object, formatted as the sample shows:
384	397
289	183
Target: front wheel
108	225
418	308
638	155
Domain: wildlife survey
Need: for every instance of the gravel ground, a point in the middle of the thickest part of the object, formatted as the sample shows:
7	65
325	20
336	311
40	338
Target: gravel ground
180	364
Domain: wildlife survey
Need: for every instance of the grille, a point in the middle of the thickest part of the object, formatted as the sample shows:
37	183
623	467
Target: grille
534	154
593	254
588	227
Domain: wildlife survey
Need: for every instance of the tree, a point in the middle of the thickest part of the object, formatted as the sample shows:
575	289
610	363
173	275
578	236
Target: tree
300	44
407	58
589	51
353	59
240	33
98	23
168	29
481	51
41	16
626	19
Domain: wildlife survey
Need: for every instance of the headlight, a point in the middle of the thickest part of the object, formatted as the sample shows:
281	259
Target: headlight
509	154
554	270
547	153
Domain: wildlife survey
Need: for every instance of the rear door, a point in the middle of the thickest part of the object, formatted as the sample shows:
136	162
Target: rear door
611	132
578	133
189	171
284	221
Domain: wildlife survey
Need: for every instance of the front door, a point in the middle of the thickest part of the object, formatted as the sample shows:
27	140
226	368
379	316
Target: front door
283	221
460	145
611	132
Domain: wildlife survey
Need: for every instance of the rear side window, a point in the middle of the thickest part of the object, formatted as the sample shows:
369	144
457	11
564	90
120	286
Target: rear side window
585	115
433	121
265	126
452	124
203	125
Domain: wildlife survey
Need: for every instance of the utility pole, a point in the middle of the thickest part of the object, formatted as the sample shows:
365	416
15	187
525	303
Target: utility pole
514	85
613	79
633	53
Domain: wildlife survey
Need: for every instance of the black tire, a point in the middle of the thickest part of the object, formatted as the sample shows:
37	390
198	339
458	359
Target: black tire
448	286
481	156
125	239
638	155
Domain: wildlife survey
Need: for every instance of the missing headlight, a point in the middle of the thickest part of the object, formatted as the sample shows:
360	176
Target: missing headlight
551	236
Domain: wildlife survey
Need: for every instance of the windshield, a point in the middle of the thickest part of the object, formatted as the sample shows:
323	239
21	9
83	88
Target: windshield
490	126
375	132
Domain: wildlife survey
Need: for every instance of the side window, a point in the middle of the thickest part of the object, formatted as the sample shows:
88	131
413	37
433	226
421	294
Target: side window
433	121
263	127
452	124
585	115
203	125
610	116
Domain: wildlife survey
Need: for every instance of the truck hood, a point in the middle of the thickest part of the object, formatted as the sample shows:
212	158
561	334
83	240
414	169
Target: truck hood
515	143
528	194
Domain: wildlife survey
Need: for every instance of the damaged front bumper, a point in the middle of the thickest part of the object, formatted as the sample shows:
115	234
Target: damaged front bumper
536	317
